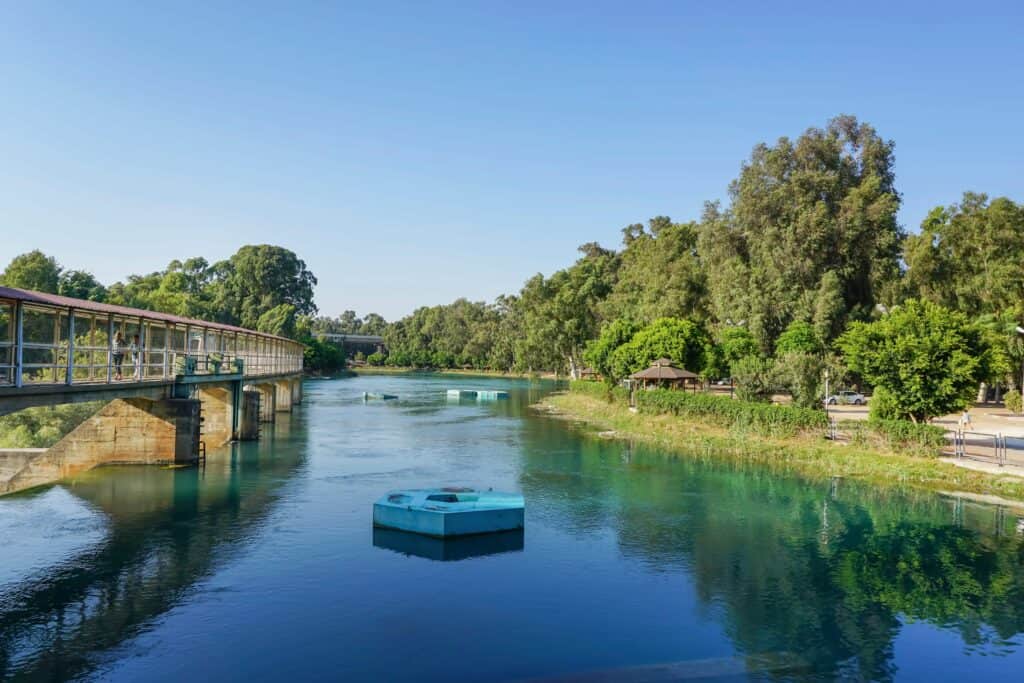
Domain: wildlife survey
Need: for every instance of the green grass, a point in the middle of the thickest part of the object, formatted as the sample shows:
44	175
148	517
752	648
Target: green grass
806	454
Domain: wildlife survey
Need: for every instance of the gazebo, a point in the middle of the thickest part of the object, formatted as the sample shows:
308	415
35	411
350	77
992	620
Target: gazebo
663	373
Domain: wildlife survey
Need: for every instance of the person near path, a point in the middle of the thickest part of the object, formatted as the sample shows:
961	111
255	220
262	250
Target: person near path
117	355
136	358
965	420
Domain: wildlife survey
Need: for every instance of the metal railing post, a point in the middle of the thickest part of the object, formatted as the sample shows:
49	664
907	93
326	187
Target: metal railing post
70	372
110	348
19	343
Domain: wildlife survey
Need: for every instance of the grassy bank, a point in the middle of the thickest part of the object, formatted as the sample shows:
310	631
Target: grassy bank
804	453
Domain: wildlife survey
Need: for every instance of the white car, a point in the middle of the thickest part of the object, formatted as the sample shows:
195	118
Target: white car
846	397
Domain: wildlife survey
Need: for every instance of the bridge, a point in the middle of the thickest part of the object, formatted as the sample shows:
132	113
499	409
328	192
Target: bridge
367	343
175	387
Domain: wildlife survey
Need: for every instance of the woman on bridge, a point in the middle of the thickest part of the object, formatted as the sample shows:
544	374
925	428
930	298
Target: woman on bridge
117	355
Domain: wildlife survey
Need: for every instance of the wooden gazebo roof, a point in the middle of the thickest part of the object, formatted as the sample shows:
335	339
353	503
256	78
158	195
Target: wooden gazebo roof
663	369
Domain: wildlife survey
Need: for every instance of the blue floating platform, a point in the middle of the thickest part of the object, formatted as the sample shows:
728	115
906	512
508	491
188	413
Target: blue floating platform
478	394
373	396
448	512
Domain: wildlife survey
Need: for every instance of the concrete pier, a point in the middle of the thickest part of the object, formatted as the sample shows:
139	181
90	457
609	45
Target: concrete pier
124	431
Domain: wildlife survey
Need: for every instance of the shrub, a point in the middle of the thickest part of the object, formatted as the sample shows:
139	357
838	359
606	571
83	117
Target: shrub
377	358
1012	401
726	412
599	390
897	435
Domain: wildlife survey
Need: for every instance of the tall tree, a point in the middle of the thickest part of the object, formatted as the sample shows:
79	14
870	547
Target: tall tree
259	278
34	270
968	256
811	232
80	284
660	274
561	313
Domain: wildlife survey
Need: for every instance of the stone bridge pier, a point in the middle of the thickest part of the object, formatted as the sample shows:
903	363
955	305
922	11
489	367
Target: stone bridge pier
154	431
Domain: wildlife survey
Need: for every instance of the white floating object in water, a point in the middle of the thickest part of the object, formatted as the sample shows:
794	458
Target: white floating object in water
449	511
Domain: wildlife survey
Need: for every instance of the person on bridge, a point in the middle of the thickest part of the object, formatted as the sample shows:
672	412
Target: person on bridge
136	358
117	355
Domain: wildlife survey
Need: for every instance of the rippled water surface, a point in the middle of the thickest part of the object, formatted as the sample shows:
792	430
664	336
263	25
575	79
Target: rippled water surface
635	564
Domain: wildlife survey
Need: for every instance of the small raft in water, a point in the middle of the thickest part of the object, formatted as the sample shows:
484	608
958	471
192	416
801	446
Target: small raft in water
447	512
367	396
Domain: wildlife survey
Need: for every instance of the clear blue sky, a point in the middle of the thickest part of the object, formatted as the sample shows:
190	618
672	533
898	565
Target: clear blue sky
415	152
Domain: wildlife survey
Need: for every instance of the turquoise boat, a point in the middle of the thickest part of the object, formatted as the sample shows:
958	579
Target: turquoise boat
448	512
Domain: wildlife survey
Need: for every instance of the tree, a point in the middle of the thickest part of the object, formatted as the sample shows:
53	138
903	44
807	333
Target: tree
80	284
259	278
802	375
600	352
34	270
734	343
811	233
659	275
798	337
927	359
279	321
682	341
560	314
968	256
753	378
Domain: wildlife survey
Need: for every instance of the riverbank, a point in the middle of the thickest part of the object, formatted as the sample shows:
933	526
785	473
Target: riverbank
387	370
804	454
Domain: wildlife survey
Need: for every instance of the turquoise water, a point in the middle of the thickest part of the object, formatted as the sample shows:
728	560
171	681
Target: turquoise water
264	566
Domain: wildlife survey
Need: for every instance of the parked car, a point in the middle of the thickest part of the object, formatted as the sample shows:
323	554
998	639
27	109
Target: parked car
846	397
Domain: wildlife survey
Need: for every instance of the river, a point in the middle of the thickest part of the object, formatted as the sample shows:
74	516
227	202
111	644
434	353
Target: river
635	564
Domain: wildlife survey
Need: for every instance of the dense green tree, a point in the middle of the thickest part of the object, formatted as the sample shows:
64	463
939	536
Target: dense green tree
261	277
80	284
928	359
734	343
560	314
34	270
682	341
811	233
600	352
968	257
659	274
279	321
802	375
798	337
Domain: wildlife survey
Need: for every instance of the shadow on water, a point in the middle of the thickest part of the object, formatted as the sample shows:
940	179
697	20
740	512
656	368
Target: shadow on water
451	549
166	530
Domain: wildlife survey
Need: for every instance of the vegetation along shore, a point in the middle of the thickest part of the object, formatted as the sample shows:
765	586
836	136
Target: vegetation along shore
790	439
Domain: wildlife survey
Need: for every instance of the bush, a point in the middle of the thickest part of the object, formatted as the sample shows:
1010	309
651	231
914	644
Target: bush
726	412
897	435
1011	399
599	390
376	359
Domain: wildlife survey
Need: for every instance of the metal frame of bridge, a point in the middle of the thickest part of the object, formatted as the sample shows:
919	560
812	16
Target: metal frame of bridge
55	349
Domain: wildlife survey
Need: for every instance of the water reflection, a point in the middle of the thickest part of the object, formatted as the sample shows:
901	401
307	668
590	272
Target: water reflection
448	549
165	530
830	570
259	566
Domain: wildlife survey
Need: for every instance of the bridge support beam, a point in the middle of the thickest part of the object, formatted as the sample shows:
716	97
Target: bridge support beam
296	391
268	405
218	415
249	421
284	395
125	431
